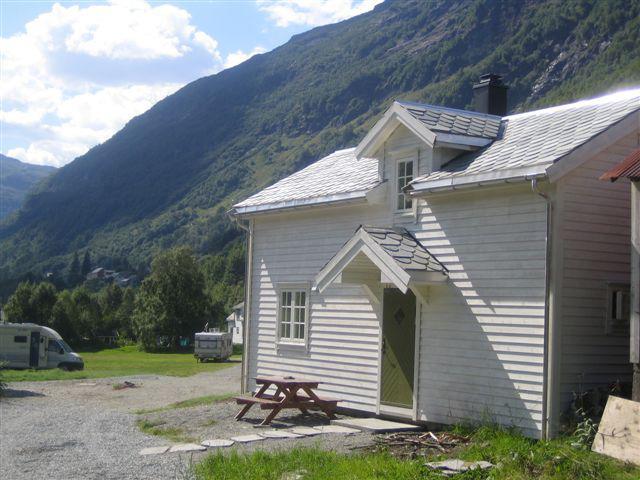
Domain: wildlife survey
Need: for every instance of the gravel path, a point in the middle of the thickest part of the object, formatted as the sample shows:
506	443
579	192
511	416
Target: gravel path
84	429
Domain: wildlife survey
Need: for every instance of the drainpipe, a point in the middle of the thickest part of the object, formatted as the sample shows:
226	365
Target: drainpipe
549	327
248	227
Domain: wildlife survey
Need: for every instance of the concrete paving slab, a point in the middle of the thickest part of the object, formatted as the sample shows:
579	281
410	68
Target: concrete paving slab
280	434
247	438
337	429
217	443
306	431
154	450
376	425
187	447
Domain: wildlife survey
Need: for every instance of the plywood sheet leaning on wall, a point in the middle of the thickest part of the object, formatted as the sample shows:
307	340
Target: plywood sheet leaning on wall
619	432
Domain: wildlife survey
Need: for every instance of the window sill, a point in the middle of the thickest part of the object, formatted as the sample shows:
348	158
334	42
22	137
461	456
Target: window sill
293	347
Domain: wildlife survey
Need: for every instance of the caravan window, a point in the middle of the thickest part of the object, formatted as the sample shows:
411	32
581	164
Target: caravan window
53	346
20	339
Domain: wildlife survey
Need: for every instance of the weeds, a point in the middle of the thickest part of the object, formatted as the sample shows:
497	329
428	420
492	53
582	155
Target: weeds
192	402
155	428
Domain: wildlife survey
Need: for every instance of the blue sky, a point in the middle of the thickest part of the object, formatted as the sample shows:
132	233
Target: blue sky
73	73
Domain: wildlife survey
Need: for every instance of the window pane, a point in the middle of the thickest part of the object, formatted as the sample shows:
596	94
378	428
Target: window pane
303	299
409	169
296	331
301	331
401	169
302	315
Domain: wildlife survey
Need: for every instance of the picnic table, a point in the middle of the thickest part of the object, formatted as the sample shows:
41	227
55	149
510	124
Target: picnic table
291	392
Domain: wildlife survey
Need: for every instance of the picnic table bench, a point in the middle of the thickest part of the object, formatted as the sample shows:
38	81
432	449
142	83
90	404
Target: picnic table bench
291	392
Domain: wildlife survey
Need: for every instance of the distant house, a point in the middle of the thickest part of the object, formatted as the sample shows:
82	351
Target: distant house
630	169
96	273
234	323
454	265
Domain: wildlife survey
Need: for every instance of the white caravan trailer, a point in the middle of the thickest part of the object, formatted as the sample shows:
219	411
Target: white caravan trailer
27	345
214	345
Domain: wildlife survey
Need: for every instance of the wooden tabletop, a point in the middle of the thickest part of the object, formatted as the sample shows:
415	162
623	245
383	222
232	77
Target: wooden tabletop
286	380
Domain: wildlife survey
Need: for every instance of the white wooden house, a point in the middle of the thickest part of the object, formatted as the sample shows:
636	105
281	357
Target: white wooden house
454	265
235	322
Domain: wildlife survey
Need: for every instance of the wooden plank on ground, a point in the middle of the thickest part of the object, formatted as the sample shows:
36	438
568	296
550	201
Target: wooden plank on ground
619	432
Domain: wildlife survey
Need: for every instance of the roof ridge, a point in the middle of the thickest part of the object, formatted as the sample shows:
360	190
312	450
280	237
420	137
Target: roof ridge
601	100
407	103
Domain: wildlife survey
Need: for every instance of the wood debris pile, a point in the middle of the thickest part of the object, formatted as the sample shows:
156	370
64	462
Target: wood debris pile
415	444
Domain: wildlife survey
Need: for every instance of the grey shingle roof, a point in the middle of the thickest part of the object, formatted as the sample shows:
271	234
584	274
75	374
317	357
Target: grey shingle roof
529	140
542	137
458	122
408	252
333	176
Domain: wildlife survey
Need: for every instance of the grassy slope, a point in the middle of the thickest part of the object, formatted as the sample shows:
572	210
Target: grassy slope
168	176
123	361
518	458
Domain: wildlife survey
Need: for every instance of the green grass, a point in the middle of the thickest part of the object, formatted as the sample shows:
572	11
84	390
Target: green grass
119	362
155	427
516	457
192	402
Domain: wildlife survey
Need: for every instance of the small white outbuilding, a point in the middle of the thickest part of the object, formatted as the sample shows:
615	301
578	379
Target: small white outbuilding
455	265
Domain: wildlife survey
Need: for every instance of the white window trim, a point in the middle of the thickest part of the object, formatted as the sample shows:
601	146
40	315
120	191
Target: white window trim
613	326
290	342
397	192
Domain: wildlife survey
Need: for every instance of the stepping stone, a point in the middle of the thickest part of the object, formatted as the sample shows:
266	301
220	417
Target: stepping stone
337	429
187	447
247	438
376	425
217	443
306	431
280	434
153	450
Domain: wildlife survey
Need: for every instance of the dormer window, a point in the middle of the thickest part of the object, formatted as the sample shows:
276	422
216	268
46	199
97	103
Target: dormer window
404	177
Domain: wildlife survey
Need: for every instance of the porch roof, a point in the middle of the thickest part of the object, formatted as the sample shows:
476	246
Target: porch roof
401	259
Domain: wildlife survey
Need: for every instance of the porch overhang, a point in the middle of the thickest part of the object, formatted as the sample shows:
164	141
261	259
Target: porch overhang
375	256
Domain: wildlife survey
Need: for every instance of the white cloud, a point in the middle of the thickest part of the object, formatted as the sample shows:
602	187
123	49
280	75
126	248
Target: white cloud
238	57
77	74
314	12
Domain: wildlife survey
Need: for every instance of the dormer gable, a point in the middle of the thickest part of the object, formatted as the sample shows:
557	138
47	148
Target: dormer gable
436	127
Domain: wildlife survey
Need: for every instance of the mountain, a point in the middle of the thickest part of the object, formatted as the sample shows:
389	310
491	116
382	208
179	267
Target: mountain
16	179
169	175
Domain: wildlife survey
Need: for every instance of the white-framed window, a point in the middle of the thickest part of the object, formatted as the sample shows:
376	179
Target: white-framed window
618	308
293	313
403	178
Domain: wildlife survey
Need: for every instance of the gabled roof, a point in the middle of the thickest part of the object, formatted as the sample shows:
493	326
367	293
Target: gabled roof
454	121
628	168
527	145
336	177
403	247
399	257
532	142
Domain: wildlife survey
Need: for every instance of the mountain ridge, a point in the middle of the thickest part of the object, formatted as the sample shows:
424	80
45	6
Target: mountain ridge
16	180
170	174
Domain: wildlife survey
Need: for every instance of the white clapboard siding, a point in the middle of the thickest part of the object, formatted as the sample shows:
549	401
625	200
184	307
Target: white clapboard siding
344	323
594	228
482	336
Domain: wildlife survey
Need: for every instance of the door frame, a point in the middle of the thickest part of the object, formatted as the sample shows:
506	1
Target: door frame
409	412
32	335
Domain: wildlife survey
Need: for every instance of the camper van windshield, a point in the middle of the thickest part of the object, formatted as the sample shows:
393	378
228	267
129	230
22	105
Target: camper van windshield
66	347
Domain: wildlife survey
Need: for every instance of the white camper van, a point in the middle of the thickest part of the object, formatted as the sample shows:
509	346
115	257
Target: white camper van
213	345
26	345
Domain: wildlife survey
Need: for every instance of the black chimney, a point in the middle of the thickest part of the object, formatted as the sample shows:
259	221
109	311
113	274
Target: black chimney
490	95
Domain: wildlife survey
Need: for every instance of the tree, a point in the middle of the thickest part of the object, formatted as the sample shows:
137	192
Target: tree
18	308
32	303
74	273
65	317
171	301
86	264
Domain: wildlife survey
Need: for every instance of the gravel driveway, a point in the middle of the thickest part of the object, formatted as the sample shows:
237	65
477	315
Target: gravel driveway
84	429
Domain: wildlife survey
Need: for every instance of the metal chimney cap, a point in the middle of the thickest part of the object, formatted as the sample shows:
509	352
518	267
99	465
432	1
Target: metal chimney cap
490	79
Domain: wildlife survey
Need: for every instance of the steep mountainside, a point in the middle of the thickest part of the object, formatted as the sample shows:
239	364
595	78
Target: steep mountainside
16	179
169	175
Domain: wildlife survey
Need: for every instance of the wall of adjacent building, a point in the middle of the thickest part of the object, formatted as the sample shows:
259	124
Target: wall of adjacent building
593	229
